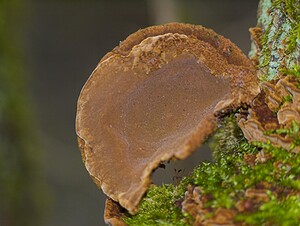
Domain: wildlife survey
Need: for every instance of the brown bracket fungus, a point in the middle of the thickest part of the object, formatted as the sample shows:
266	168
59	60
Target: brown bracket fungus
261	117
113	213
155	97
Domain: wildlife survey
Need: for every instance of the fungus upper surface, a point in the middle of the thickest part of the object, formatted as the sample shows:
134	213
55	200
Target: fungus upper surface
155	97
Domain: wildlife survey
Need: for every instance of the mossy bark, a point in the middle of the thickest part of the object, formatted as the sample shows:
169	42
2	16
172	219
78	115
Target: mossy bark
21	187
278	47
247	184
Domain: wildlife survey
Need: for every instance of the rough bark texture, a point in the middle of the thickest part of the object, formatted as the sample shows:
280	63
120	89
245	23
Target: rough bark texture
254	181
276	46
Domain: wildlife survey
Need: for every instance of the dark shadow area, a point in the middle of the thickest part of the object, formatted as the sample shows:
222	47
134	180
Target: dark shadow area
173	171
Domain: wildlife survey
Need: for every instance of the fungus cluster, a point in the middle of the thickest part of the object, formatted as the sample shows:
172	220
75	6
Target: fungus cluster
194	204
275	108
155	97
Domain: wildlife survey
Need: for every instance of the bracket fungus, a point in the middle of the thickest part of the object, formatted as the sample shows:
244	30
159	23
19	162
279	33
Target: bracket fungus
261	117
157	96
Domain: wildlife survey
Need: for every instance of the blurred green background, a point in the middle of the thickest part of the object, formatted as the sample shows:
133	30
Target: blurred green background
47	51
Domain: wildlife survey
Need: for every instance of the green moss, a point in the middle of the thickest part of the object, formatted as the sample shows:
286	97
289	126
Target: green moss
159	207
284	212
288	174
229	176
294	70
289	7
292	40
227	137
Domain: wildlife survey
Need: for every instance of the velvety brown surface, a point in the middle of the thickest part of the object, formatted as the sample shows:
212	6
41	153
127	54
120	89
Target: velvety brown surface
154	99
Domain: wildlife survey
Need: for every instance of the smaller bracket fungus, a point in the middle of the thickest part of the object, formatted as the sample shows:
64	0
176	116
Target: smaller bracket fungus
275	108
113	213
155	97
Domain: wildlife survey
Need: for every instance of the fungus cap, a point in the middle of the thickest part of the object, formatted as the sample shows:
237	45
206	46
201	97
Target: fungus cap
155	97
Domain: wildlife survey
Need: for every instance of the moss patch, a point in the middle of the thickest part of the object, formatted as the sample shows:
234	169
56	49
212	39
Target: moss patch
284	212
160	207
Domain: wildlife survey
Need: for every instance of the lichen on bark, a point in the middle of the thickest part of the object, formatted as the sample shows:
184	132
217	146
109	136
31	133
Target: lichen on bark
278	47
255	183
